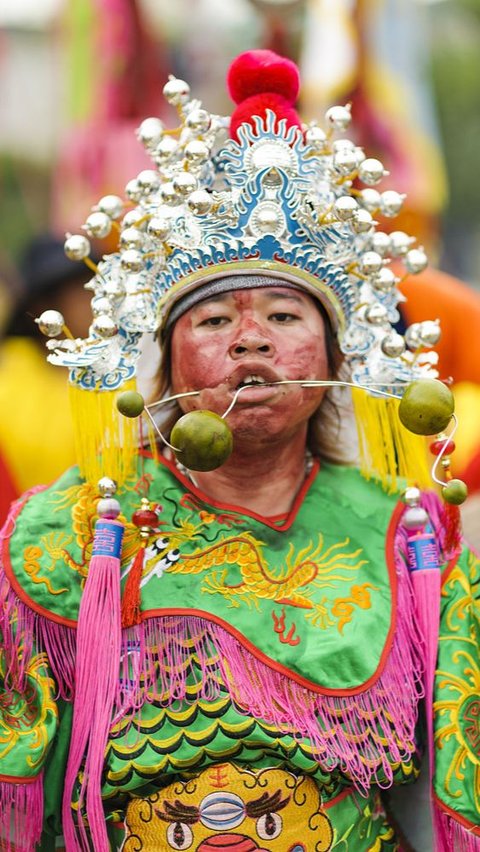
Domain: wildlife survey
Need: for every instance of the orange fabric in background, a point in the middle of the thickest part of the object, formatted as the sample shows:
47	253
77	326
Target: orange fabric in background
434	294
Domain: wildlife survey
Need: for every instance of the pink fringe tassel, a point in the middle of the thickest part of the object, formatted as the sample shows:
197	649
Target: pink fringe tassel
453	836
23	629
160	655
21	815
32	631
98	653
427	585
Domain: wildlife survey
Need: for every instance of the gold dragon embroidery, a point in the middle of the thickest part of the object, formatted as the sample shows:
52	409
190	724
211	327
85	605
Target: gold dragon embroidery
293	583
24	716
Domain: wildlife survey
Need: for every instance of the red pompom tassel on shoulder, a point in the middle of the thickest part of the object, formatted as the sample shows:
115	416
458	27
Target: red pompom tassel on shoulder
131	592
146	519
453	529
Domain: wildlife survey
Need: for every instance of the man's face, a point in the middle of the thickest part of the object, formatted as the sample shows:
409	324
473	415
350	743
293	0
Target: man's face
249	336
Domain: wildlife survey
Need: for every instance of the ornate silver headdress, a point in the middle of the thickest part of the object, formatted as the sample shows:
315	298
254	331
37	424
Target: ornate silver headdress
295	202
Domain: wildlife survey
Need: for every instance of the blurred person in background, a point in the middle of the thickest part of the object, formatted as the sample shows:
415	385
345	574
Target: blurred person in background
36	437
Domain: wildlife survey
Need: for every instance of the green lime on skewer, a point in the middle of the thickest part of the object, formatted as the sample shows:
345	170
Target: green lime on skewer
455	492
426	407
202	440
130	403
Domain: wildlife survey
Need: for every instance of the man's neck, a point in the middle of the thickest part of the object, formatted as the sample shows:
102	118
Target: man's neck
265	482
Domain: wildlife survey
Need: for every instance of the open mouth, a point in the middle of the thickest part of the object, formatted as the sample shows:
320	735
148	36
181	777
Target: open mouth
252	380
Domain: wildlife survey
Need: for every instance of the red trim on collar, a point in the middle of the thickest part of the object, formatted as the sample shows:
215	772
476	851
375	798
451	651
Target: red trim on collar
463	821
18	779
231	507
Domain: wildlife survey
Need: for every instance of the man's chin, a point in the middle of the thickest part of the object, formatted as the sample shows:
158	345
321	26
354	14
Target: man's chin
257	426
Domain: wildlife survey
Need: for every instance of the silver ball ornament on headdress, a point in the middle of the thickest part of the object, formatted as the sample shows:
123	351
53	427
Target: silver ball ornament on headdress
51	323
316	138
165	150
341	144
267	219
184	183
371	171
415	261
198	120
384	281
112	205
345	161
176	92
393	345
371	262
168	193
104	326
400	242
101	305
150	132
412	336
132	238
197	152
344	208
339	117
134	219
113	288
360	155
148	180
200	202
376	314
159	227
391	202
76	247
370	199
381	243
429	332
272	178
361	221
132	260
98	225
133	190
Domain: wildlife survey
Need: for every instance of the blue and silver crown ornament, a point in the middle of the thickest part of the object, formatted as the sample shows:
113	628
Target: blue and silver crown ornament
295	202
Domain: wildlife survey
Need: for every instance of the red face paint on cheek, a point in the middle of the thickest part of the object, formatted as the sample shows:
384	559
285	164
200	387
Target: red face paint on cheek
306	359
198	360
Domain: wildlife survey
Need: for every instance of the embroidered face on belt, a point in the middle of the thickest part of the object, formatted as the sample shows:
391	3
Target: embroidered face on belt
228	809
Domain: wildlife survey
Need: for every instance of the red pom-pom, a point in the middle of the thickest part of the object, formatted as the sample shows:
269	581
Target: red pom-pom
257	105
259	71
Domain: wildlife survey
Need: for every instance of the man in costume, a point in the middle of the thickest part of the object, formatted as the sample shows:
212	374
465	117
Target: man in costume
225	644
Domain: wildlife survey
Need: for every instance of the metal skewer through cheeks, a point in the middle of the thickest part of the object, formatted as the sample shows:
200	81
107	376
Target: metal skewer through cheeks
306	383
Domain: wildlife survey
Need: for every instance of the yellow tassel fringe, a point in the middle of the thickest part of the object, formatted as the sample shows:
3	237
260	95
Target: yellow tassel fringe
388	452
152	439
106	442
